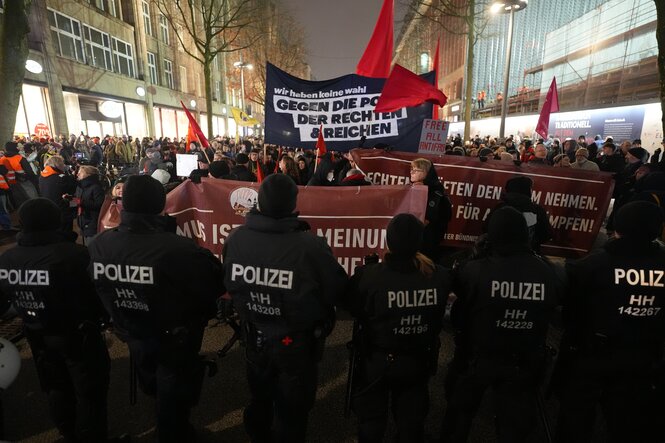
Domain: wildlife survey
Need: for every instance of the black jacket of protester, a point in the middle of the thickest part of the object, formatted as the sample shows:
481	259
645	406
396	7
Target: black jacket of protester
437	214
152	281
53	184
45	278
91	197
243	174
284	281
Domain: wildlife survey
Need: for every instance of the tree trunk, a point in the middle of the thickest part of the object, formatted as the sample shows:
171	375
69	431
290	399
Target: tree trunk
469	71
208	93
13	53
660	37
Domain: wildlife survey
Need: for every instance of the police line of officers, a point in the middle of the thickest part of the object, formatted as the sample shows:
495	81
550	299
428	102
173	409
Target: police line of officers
159	290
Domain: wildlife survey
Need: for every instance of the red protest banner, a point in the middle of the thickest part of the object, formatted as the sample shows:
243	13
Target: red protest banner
352	219
576	201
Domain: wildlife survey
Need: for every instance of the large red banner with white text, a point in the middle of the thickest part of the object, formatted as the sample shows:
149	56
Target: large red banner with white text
576	201
352	219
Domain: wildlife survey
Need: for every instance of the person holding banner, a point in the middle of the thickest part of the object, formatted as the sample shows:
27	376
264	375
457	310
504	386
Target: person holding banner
284	283
398	336
439	209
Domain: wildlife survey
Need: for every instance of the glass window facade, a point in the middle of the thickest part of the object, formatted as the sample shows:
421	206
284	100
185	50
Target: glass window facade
168	73
152	68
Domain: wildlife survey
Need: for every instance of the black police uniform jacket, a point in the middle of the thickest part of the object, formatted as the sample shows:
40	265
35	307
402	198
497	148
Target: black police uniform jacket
617	299
399	309
283	280
504	303
44	277
152	281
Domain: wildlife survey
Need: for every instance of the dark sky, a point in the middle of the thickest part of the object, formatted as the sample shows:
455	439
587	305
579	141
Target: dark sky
337	31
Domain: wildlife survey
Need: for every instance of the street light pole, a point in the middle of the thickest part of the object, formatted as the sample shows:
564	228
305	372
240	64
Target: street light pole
242	65
506	76
503	7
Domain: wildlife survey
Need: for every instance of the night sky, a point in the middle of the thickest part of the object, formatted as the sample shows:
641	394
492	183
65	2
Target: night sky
338	31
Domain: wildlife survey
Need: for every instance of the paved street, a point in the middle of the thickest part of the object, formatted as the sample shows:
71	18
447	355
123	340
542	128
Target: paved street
219	414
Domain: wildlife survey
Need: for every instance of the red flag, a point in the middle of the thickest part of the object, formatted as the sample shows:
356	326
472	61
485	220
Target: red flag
321	143
378	54
405	89
195	126
435	108
191	137
259	172
279	156
551	105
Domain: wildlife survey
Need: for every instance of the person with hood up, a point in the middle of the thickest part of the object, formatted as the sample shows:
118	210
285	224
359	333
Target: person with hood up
439	209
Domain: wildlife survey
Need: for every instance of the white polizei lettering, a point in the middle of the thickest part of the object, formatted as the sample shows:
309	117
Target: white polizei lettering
142	275
518	290
412	299
640	277
254	275
25	277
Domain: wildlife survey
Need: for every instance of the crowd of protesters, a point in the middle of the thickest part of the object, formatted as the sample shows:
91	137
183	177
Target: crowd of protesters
395	302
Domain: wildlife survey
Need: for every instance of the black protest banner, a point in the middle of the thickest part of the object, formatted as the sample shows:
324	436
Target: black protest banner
296	108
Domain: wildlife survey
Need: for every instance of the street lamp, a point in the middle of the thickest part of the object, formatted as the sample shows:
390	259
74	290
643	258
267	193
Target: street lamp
507	7
242	66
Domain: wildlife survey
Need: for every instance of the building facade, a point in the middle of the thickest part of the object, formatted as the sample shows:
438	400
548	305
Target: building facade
601	51
117	67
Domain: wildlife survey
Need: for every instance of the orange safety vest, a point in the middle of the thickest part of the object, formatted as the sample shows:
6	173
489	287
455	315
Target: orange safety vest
3	183
49	171
13	165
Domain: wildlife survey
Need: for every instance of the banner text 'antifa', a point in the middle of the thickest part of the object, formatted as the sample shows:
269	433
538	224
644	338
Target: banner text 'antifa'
343	117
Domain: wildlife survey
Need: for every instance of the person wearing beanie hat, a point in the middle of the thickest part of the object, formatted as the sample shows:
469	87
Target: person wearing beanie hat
637	154
284	283
396	323
625	180
582	161
143	194
613	333
278	194
517	195
45	278
505	299
241	171
160	289
220	169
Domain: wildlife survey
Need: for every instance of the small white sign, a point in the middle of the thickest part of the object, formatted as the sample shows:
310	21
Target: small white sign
433	136
186	163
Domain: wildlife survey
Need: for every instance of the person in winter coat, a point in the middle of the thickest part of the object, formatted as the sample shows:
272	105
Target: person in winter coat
54	184
90	198
582	161
439	209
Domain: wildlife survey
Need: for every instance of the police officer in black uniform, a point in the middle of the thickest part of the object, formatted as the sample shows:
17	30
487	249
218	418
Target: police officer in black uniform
400	305
160	290
504	303
284	283
45	278
612	348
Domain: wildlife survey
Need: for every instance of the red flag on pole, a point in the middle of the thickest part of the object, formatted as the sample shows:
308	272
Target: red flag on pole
191	137
321	143
378	54
195	127
279	157
404	89
259	172
551	105
435	108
